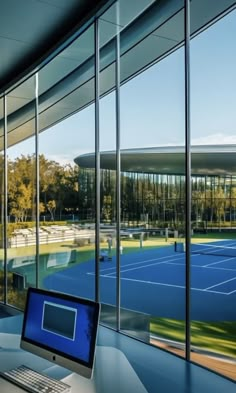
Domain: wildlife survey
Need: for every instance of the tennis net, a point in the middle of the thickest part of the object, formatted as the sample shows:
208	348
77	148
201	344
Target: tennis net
208	249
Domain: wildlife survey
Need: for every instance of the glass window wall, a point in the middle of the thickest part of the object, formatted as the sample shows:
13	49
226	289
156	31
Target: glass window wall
213	119
153	200
2	234
21	200
94	193
108	29
66	192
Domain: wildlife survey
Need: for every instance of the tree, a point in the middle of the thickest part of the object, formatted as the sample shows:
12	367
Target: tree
20	187
220	204
106	208
51	206
22	205
198	204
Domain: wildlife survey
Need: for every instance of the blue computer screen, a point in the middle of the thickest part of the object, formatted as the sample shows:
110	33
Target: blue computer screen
61	324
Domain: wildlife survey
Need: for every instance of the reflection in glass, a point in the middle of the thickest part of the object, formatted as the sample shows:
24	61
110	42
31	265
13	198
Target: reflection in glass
67	196
21	220
152	177
2	203
153	196
108	29
67	207
213	314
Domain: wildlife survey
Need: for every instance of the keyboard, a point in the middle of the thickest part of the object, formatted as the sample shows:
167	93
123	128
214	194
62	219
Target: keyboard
34	382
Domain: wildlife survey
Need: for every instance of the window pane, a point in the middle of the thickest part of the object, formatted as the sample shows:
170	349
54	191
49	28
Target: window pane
67	193
2	203
108	228
213	119
153	195
21	220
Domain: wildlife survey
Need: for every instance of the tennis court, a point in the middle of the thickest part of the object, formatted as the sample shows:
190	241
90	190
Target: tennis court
153	281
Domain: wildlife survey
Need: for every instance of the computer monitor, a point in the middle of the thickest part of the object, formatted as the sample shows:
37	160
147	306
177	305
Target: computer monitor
61	328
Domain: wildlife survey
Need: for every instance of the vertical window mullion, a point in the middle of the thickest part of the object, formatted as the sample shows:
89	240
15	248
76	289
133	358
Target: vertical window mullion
97	161
188	179
37	178
118	193
5	223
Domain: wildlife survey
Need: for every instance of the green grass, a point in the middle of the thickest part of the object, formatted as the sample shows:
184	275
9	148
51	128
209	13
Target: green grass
218	337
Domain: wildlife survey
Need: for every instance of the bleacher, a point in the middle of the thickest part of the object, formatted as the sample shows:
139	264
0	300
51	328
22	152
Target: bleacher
50	234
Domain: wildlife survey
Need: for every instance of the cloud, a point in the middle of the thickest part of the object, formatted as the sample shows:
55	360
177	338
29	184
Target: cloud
61	159
215	139
66	158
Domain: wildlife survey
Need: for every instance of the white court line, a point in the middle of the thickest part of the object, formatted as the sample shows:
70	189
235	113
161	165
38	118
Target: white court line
166	262
136	267
200	267
220	268
145	261
109	275
230	293
143	267
224	245
207	266
211	247
164	285
138	263
215	263
228	244
217	285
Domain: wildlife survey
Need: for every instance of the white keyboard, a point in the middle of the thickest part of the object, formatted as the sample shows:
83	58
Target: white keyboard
34	382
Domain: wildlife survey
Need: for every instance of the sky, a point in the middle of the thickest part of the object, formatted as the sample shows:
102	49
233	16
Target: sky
152	104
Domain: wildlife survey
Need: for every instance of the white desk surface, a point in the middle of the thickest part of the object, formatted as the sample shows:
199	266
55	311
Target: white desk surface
112	370
127	363
7	387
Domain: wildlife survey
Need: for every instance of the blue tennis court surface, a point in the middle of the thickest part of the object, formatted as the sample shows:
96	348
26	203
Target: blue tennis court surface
153	282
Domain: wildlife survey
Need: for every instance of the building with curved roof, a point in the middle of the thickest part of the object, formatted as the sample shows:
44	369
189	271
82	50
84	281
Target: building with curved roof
206	160
153	184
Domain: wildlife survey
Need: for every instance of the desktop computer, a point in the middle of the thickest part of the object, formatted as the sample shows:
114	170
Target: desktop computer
62	329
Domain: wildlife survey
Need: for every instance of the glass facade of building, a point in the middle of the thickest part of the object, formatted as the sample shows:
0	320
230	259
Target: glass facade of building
88	208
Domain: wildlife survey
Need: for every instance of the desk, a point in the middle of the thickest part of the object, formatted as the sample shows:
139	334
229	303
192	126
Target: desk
112	369
132	364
